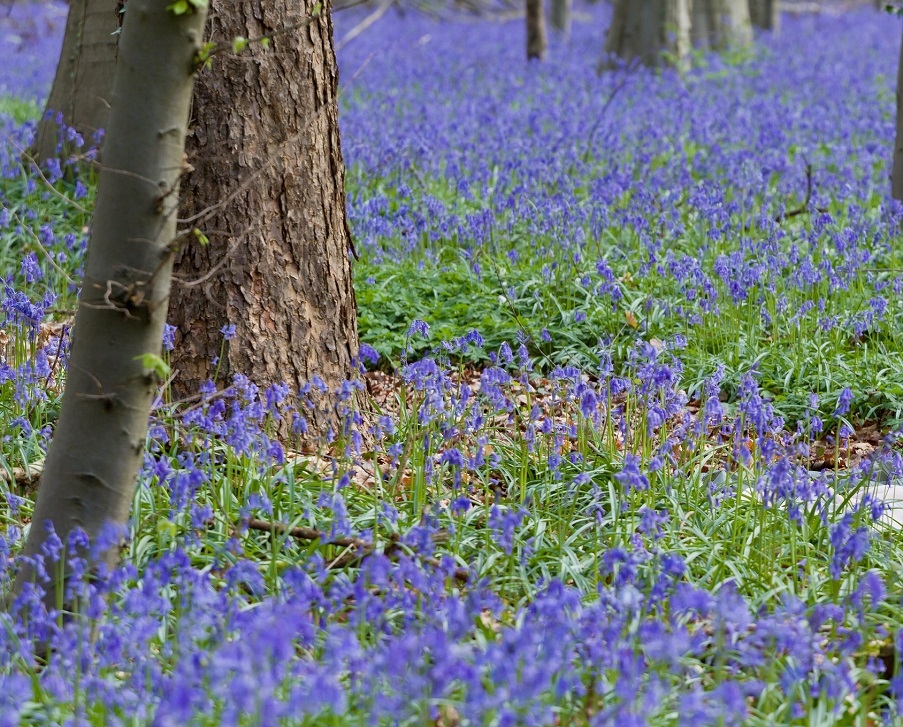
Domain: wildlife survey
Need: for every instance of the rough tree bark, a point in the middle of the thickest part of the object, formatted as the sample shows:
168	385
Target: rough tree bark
560	16
897	174
651	31
83	82
720	24
537	40
765	14
93	460
268	189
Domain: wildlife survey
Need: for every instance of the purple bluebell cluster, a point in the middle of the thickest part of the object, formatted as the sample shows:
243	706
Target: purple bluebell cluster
592	591
742	204
677	521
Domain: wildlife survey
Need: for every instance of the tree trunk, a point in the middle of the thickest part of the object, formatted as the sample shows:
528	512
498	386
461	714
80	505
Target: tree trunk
84	75
897	176
651	31
726	24
537	42
560	16
701	25
97	448
765	14
269	191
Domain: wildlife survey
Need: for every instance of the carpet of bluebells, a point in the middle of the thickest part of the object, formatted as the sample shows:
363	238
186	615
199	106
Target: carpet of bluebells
630	457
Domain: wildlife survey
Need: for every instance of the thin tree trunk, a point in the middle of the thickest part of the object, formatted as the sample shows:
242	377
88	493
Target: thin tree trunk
269	191
83	82
700	27
765	14
97	448
651	31
737	14
727	24
537	41
897	175
560	16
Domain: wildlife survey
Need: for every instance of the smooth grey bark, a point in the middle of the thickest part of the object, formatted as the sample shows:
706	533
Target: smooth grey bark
537	40
92	463
897	174
720	24
700	28
765	14
560	16
83	83
651	31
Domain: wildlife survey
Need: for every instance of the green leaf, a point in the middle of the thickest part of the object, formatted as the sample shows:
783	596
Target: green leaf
179	7
183	7
239	44
202	57
317	9
202	238
167	528
265	42
154	364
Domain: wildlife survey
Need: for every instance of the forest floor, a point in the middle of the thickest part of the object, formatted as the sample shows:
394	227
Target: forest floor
635	385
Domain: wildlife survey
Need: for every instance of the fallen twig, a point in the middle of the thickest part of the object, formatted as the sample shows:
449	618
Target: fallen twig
804	209
362	548
302	533
25	477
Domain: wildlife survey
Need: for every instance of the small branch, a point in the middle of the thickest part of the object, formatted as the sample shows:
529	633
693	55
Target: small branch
37	241
364	24
23	476
355	75
210	273
362	548
349	5
804	209
302	533
611	97
23	153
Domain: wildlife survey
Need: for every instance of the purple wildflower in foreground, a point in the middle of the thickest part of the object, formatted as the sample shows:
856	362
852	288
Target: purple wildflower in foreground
304	653
498	562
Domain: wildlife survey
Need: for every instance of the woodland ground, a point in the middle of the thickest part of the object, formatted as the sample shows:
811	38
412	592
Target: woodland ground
636	376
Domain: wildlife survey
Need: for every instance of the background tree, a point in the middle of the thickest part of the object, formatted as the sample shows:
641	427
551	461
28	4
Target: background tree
93	459
719	24
765	14
560	14
537	40
650	31
83	83
268	188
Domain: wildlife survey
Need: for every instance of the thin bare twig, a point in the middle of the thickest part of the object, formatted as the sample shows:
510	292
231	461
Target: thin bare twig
23	476
361	549
23	153
362	26
355	75
44	250
303	533
804	208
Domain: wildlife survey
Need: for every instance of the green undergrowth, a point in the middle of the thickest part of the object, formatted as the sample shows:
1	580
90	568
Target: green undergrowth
524	287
